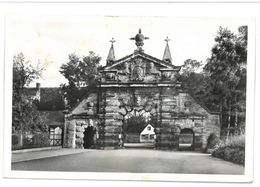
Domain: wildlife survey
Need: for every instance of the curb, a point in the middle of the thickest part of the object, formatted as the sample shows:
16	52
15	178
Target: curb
36	149
49	156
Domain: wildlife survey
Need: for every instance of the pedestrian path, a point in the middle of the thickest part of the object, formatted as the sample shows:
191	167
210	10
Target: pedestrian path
33	155
139	145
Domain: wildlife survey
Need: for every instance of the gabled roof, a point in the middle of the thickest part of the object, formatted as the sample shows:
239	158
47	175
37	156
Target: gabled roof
209	109
50	98
86	94
146	131
54	118
143	55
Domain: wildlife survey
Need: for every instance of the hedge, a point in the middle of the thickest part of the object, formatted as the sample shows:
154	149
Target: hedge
35	141
212	141
232	150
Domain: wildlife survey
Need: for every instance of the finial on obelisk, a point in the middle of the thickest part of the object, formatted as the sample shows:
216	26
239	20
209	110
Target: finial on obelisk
167	39
111	54
112	40
139	39
167	57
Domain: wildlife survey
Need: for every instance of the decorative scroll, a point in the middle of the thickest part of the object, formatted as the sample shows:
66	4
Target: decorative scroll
168	75
110	76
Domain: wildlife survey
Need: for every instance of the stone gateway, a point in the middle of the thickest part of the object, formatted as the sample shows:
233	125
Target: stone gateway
139	85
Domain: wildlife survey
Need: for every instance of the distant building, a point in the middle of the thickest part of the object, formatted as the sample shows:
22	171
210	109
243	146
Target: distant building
51	105
148	134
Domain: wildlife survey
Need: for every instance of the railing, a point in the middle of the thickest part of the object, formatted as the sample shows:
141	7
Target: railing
35	140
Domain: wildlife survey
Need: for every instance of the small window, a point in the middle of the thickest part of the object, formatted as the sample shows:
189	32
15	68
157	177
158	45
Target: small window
145	136
149	128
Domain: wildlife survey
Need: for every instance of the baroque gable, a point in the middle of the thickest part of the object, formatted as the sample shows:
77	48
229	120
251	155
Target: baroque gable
139	67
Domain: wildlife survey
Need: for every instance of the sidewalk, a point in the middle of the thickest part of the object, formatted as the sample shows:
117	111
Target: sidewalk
139	145
33	155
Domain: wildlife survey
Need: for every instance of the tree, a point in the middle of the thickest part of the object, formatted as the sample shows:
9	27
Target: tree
226	69
135	124
222	83
81	73
26	117
190	66
23	73
193	79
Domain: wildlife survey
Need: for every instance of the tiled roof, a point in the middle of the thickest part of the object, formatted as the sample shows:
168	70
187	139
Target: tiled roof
51	99
54	118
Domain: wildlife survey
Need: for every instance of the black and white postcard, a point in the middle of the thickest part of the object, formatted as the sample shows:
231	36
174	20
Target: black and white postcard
156	92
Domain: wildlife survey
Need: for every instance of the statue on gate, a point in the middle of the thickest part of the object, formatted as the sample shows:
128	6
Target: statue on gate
138	71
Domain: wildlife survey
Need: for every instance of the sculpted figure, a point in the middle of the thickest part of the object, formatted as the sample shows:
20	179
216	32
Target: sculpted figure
138	70
126	68
151	70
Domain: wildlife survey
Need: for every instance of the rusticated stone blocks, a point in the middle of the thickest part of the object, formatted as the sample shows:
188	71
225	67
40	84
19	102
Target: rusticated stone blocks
79	137
174	112
69	135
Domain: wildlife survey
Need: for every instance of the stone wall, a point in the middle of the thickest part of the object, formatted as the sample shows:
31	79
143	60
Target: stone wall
69	133
74	131
88	105
212	125
173	110
112	123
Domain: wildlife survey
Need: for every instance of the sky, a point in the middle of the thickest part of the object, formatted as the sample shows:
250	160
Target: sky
49	40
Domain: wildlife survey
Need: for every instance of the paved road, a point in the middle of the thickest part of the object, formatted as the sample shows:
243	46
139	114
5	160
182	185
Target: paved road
133	160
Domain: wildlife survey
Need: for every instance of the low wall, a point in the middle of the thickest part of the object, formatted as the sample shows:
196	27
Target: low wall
132	138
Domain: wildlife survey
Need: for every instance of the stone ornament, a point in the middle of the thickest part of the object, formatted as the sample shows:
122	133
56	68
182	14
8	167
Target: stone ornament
110	76
126	70
138	70
139	39
167	75
187	103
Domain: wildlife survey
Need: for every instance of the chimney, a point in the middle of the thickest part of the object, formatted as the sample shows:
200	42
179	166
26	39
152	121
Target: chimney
38	85
38	92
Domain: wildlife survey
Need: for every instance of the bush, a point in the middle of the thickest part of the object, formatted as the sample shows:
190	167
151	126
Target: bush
212	141
231	150
15	139
41	140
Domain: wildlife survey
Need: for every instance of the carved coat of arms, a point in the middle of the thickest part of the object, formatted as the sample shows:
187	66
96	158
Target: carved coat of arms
138	70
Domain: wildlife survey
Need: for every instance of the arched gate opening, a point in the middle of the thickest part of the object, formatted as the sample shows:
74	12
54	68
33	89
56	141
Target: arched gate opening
138	130
89	137
186	139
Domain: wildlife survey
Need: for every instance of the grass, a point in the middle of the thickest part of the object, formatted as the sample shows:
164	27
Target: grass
232	149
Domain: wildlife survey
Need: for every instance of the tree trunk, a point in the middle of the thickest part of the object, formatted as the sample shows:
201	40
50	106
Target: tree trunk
236	117
229	121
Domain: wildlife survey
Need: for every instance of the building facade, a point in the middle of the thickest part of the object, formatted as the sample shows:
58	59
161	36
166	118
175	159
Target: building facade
148	134
138	84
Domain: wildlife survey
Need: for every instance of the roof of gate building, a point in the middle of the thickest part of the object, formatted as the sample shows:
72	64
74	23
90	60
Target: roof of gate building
53	118
50	99
50	104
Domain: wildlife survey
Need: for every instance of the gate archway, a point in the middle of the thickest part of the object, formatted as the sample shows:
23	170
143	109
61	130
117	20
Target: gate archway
133	126
186	139
136	125
89	137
